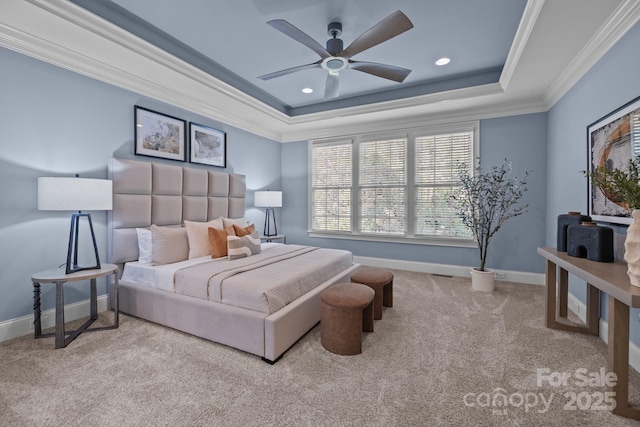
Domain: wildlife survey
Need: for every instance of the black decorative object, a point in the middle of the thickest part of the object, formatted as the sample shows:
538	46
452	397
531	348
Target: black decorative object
590	241
564	221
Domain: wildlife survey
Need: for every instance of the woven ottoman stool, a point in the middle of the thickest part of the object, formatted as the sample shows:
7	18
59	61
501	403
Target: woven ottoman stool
381	281
346	311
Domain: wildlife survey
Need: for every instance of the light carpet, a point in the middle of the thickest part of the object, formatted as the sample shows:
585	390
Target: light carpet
443	355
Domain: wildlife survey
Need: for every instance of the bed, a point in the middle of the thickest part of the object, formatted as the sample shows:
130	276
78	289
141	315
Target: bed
261	304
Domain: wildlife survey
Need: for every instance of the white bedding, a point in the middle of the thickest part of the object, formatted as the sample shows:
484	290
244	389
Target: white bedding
264	282
161	276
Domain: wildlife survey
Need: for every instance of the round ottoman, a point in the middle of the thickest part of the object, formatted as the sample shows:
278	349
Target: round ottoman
346	311
381	281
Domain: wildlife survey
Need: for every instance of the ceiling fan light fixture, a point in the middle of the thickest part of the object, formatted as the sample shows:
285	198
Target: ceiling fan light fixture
334	64
334	58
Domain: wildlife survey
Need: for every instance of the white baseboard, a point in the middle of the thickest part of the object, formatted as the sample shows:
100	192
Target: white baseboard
20	326
580	310
449	270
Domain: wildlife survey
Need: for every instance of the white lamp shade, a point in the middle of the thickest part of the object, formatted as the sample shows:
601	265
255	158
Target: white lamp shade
268	199
74	194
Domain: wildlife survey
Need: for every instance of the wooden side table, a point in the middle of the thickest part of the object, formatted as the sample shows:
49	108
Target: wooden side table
274	238
59	278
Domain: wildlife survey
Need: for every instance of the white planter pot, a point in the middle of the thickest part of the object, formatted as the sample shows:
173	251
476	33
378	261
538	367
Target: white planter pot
632	249
482	280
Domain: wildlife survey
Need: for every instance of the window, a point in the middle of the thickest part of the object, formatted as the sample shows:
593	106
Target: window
331	187
437	160
382	186
391	187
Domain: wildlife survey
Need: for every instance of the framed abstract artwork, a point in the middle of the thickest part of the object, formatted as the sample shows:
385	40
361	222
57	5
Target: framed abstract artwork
612	141
159	135
208	146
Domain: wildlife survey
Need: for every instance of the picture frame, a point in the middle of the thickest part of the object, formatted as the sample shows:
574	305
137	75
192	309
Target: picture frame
159	135
613	141
208	146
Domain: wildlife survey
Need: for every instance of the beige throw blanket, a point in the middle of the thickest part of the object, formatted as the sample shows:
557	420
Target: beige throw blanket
265	282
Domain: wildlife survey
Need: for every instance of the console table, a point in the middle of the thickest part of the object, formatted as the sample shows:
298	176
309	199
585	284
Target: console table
59	278
610	278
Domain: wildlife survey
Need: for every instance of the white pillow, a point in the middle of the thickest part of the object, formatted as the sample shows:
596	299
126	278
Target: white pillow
144	245
169	245
228	222
198	236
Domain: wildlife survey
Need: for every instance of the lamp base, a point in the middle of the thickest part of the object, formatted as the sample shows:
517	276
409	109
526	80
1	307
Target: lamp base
72	253
75	268
270	219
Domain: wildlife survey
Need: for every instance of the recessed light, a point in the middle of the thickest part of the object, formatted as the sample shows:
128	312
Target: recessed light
442	61
307	90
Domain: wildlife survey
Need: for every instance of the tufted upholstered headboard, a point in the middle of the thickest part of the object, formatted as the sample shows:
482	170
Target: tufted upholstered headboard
152	193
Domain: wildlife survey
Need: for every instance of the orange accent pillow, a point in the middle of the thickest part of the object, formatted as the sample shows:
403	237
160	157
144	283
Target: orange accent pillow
246	231
218	241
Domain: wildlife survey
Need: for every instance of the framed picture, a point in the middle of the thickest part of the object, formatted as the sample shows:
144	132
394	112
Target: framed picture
613	141
159	135
208	145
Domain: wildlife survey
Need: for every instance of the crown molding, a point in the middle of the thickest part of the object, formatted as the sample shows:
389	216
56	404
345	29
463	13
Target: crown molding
624	17
418	119
87	44
416	101
527	23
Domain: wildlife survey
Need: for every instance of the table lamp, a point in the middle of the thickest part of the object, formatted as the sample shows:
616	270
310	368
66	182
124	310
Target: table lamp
269	200
76	194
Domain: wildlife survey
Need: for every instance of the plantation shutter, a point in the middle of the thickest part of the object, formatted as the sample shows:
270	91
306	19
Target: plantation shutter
331	187
382	186
437	162
635	134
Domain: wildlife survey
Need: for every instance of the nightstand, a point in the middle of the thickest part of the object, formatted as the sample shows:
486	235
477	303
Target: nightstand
59	278
277	237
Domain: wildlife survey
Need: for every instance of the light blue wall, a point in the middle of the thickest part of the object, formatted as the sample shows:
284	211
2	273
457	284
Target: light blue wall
610	83
55	122
520	139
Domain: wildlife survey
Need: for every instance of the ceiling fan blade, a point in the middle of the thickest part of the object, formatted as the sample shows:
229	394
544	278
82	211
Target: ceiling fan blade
391	72
290	70
393	25
332	88
288	29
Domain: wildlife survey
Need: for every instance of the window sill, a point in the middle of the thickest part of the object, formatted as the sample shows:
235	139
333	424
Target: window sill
462	243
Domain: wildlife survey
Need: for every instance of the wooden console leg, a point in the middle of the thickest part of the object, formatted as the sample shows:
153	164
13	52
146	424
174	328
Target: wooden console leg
550	301
563	293
593	310
619	357
557	293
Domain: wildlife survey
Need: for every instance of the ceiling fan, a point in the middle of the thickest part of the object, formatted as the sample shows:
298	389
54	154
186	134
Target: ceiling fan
335	58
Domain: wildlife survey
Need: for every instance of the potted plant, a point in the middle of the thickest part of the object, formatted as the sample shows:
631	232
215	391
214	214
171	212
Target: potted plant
619	185
622	186
484	202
